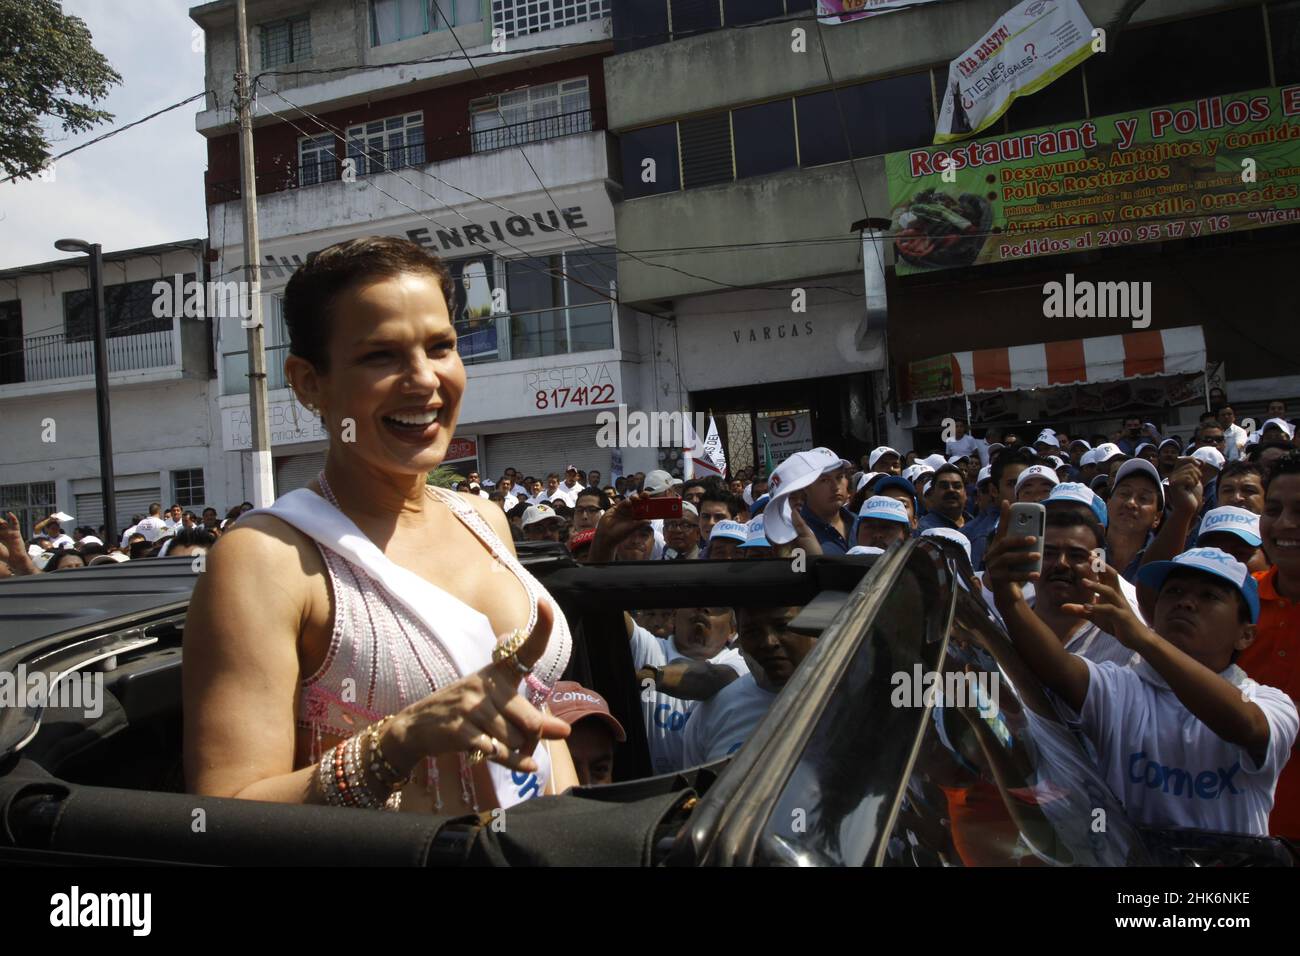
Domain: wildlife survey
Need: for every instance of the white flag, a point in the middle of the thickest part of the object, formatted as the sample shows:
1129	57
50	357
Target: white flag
699	458
713	448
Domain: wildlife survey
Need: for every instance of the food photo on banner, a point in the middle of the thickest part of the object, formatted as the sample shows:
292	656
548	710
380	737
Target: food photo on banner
1216	164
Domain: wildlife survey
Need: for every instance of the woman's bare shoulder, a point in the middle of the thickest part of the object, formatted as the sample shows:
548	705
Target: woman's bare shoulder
264	548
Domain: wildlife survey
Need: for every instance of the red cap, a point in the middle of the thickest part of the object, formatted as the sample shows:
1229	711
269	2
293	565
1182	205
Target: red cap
579	538
571	702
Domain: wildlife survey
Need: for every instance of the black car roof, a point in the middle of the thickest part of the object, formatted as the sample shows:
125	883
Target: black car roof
37	606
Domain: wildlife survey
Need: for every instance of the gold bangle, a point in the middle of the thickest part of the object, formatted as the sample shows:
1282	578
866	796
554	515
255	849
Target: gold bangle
507	651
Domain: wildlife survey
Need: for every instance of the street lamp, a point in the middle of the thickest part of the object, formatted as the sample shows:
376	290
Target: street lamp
107	493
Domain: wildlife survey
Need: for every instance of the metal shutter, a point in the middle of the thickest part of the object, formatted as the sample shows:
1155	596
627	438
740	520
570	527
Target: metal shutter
706	151
90	508
537	453
295	471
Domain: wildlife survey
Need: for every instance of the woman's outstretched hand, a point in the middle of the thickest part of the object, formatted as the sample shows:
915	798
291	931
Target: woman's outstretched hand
483	711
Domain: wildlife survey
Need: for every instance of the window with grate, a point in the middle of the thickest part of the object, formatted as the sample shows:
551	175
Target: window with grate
30	503
385	144
393	20
521	17
187	488
128	310
706	150
317	160
532	114
286	41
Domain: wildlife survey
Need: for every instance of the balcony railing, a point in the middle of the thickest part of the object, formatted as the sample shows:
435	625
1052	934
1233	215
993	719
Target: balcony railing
531	131
493	338
363	164
47	357
520	17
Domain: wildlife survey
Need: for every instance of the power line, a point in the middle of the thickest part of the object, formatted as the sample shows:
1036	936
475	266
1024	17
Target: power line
103	136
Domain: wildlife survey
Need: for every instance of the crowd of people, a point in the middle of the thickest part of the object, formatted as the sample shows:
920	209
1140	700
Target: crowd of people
1179	644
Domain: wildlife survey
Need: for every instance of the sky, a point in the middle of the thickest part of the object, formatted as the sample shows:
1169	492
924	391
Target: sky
143	186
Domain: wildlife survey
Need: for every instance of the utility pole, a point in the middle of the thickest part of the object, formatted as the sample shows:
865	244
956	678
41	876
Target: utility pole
263	479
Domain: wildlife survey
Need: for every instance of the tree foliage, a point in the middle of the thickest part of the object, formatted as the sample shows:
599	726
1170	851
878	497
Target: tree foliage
442	476
49	70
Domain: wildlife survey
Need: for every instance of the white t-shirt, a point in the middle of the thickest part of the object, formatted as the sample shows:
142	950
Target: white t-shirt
969	445
1170	769
126	535
1234	440
151	528
62	541
666	717
720	725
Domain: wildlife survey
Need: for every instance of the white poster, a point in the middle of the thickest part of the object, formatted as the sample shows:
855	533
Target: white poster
1033	44
786	434
843	11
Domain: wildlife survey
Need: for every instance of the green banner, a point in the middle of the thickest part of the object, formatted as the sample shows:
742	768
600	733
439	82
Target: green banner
1217	164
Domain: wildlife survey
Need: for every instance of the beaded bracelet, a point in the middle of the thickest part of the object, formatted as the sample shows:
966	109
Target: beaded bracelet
381	768
539	692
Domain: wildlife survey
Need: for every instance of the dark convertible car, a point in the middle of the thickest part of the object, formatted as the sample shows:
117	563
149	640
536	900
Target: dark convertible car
871	755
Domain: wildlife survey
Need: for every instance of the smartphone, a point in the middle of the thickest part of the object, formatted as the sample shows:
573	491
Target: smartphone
647	509
1028	519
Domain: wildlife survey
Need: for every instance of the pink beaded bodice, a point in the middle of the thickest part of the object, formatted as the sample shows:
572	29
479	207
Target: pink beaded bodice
381	658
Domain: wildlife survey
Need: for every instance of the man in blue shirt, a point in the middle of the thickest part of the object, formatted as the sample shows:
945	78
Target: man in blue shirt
947	499
825	512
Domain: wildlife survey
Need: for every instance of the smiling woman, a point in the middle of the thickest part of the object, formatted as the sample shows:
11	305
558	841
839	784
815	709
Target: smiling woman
355	644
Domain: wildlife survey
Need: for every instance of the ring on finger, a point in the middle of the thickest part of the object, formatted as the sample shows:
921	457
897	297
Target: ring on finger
486	746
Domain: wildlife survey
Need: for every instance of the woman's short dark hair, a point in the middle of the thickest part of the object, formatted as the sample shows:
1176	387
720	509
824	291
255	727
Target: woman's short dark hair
59	555
314	287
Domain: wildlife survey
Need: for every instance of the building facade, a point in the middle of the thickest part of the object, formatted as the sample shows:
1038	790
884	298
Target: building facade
159	367
769	137
485	142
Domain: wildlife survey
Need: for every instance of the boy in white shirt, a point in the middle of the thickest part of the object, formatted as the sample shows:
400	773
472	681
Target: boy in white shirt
1183	737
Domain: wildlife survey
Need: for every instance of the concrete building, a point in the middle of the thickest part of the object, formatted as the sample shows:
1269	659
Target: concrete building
159	371
766	135
371	120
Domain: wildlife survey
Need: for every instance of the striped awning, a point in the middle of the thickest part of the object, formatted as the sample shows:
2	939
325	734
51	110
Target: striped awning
1107	358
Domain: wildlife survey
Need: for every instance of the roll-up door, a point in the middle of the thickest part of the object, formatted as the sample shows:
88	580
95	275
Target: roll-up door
553	449
90	507
295	471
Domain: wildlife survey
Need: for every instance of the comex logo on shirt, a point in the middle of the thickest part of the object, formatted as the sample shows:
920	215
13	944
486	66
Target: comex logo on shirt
1207	785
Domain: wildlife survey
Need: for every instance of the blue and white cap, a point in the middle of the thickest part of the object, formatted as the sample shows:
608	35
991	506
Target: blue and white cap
1244	524
1075	492
755	537
1210	561
1037	471
729	529
950	534
912	472
884	509
759	504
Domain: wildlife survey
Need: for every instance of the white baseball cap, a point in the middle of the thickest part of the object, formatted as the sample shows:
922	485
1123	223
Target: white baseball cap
1105	452
1048	438
1244	524
1146	444
881	508
90	539
1170	441
690	509
863	549
1056	460
935	461
912	472
536	513
657	482
1080	441
949	534
1089	457
1037	471
953	459
1073	491
878	453
986	474
729	529
1136	465
865	478
1211	456
798	471
1287	428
